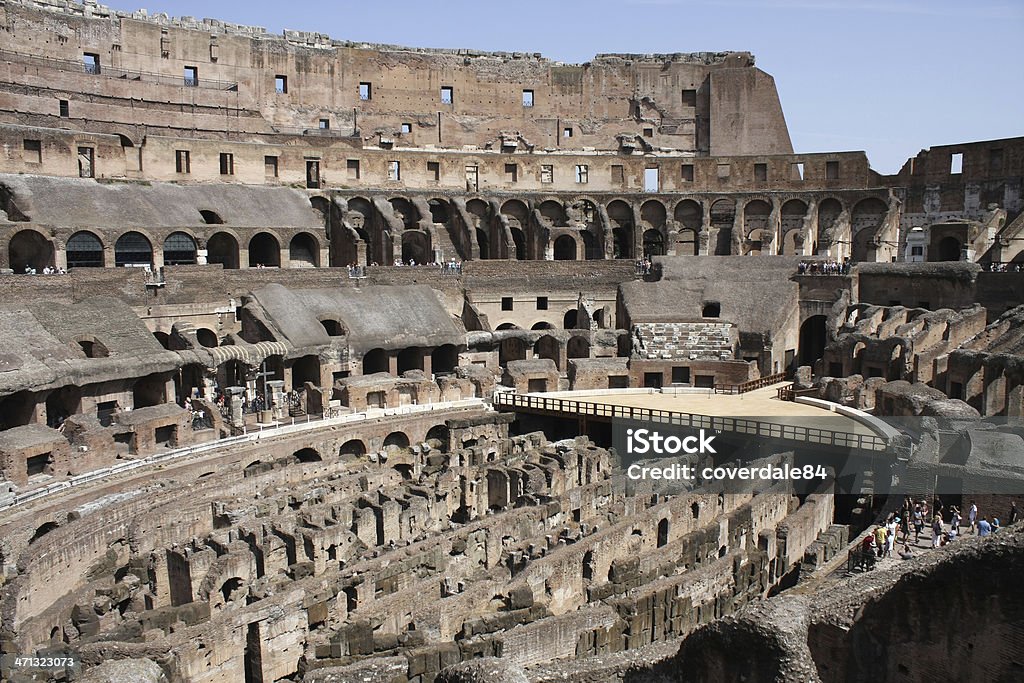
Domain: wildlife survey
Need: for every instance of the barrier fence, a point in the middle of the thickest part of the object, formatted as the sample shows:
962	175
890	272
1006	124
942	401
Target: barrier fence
751	385
736	425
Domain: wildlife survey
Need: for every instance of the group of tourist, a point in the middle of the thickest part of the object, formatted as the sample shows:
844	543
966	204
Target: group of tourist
1003	267
830	267
451	267
643	266
921	514
47	270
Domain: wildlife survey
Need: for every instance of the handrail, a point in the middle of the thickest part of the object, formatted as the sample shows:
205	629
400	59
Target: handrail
114	72
790	392
750	385
774	430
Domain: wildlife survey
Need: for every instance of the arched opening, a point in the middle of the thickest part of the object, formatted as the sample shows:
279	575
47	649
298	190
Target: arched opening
404	211
653	213
163	339
565	248
654	243
233	589
663	532
547	347
352	447
542	326
620	214
686	243
511	349
396	440
375	360
29	250
711	309
307	455
949	249
439	211
592	246
578	347
689	214
222	248
865	220
303	251
93	348
207	338
84	250
484	243
438	437
416	247
756	216
264	251
570	319
444	358
410	358
333	328
305	369
792	223
723	217
149	391
61	404
132	249
554	212
813	336
588	566
211	217
41	531
179	250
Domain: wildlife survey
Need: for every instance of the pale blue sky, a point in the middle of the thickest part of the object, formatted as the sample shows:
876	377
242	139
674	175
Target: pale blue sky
886	76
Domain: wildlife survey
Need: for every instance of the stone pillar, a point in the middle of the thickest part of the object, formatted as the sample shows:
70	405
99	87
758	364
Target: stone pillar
427	362
393	364
275	388
235	396
706	238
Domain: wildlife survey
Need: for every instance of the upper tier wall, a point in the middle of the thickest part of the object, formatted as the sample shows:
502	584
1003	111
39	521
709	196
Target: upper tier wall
683	102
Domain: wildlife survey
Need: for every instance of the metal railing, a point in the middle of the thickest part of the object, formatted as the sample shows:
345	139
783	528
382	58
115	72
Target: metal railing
750	385
113	72
736	425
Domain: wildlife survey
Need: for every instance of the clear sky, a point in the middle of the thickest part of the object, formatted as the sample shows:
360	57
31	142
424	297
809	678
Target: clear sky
889	77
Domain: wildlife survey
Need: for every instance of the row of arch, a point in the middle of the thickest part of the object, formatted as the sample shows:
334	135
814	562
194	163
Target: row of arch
86	249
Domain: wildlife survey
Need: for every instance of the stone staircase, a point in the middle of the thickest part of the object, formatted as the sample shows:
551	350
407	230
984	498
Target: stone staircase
684	341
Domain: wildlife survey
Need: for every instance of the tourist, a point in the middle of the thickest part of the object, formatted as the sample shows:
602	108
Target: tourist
1014	514
904	520
984	528
955	519
880	534
936	531
890	535
918	523
995	524
972	517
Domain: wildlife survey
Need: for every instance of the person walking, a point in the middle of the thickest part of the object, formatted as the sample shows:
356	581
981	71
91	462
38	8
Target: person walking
936	531
880	534
1014	513
972	517
890	535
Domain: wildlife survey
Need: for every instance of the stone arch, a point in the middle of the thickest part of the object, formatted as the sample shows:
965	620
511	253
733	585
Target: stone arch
333	328
654	243
865	220
620	215
566	248
570	319
307	454
304	251
405	209
723	217
511	348
548	347
578	347
439	433
353	447
222	248
542	325
264	250
375	360
397	440
663	529
42	530
792	215
444	358
180	249
211	217
416	247
653	213
756	214
484	243
305	369
439	211
410	358
519	239
133	249
84	249
30	249
207	338
949	249
554	211
813	337
689	214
